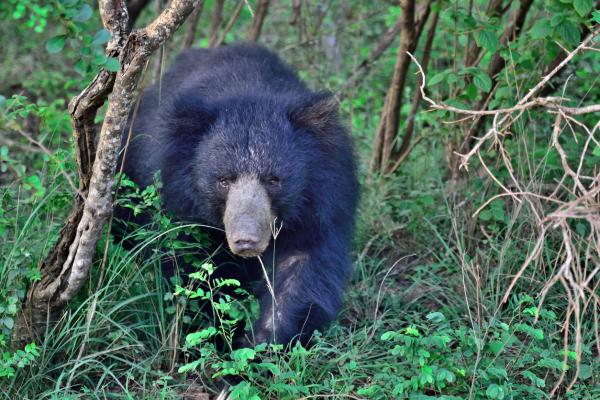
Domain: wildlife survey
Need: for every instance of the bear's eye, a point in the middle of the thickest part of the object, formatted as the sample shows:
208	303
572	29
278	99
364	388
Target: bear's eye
224	183
273	181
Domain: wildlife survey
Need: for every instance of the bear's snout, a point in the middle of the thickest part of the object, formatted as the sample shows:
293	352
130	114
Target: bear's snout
248	217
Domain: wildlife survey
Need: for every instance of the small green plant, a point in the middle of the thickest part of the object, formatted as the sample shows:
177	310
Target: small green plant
19	359
227	311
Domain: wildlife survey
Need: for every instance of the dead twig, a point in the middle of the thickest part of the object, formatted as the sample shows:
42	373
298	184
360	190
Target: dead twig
580	201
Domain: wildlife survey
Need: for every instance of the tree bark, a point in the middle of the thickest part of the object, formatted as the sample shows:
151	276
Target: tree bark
216	22
231	22
190	35
296	9
399	156
495	8
259	18
383	45
66	268
390	115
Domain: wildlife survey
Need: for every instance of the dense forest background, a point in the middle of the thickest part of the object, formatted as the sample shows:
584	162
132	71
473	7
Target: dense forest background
477	248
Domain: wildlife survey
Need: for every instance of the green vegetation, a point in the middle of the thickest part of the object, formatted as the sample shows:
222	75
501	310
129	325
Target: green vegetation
436	248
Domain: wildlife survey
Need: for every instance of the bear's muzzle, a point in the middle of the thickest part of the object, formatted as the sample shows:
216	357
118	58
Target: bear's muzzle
248	217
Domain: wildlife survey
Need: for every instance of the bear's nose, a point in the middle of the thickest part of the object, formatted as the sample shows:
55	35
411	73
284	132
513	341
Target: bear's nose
247	247
246	244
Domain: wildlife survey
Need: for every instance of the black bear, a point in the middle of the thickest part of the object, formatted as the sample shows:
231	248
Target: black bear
241	144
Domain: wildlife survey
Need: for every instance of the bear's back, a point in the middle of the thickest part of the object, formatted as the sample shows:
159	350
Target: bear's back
232	70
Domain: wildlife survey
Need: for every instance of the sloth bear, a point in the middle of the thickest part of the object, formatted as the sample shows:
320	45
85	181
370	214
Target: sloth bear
243	145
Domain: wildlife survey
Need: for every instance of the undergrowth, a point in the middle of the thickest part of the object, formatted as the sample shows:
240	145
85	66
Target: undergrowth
423	316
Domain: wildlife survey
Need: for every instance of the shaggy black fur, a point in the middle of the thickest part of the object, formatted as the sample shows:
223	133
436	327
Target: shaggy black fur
238	110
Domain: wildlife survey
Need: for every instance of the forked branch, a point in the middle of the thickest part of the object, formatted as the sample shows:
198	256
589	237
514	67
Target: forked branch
66	269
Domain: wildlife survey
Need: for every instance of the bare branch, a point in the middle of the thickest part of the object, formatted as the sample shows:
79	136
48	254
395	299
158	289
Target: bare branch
296	9
231	22
405	146
216	22
67	266
383	45
388	125
525	103
190	35
574	273
259	18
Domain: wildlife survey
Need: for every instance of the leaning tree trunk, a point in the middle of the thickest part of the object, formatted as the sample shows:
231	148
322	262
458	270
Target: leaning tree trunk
217	18
387	130
66	268
259	18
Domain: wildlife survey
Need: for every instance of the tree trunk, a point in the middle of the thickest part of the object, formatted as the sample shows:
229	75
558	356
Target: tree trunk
390	115
399	156
382	46
216	22
231	22
66	268
259	18
190	35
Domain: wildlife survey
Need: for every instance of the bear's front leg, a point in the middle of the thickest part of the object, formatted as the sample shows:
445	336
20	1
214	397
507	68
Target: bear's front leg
308	288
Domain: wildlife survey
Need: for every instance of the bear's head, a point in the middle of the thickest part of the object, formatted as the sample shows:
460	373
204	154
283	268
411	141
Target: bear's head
246	163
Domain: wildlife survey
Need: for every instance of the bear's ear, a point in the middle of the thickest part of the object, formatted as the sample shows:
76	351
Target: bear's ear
189	115
317	113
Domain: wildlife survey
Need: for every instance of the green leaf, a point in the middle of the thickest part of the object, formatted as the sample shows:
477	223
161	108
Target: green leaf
596	17
68	3
243	354
99	59
499	373
436	317
446	375
81	67
540	29
485	215
552	363
208	267
8	322
483	82
272	368
11	309
56	44
437	78
537	381
83	14
530	331
583	7
101	37
112	64
495	392
596	151
196	338
189	367
569	32
496	347
585	372
488	40
471	92
412	331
